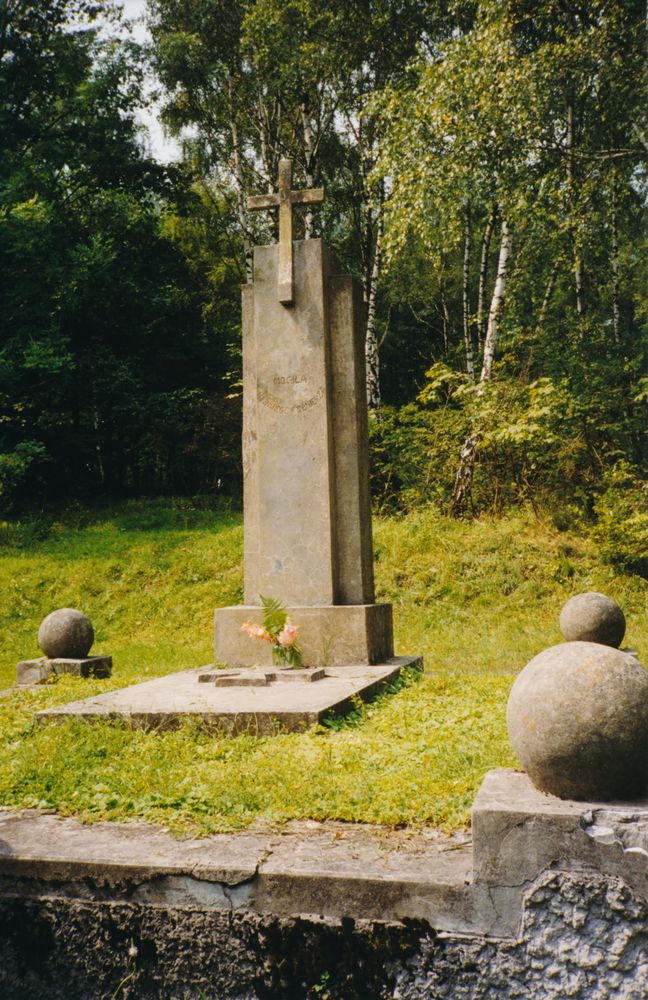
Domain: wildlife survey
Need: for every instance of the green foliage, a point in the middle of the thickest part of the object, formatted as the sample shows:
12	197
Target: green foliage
120	318
115	345
622	519
527	113
15	465
539	444
477	599
274	615
413	455
418	757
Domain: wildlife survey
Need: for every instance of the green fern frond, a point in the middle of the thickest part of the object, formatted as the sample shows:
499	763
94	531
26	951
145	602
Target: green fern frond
274	615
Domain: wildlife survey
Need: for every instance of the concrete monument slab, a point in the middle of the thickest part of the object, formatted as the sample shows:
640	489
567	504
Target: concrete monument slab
519	832
261	709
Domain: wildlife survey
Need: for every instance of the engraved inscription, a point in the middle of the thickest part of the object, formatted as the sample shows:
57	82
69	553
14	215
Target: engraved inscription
289	379
281	407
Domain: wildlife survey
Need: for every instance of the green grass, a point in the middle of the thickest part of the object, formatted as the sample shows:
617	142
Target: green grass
477	599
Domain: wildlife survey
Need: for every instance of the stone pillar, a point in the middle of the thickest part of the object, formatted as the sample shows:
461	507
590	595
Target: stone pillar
306	476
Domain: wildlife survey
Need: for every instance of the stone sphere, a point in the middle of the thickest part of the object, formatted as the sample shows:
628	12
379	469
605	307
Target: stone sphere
593	617
577	718
66	634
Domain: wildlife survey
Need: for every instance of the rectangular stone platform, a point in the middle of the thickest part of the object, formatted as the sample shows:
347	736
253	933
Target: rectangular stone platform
329	635
165	702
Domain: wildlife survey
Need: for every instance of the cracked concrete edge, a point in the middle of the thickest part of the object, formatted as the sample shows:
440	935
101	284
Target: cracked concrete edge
372	875
332	871
519	832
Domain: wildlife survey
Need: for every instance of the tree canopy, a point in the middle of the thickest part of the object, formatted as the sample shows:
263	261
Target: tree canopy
485	166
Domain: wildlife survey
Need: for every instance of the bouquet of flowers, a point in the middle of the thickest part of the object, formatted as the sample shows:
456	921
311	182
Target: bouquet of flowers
277	629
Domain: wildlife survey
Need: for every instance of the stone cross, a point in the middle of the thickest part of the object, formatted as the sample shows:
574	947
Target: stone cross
284	201
307	510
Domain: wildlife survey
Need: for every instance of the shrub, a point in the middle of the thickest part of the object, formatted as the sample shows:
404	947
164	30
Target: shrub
621	528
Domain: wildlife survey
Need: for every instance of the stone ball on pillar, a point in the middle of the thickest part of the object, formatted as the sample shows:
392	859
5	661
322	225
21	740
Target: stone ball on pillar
66	634
577	718
593	617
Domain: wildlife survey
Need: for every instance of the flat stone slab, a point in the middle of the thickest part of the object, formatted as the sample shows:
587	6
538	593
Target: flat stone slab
333	870
324	869
164	702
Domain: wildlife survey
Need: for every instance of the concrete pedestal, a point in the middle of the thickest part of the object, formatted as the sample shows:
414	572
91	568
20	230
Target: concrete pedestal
328	635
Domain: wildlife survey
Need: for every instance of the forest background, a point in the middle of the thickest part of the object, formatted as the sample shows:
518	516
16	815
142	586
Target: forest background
485	169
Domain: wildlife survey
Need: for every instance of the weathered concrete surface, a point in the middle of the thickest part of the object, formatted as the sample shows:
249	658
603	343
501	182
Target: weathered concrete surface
329	636
338	869
307	524
593	617
305	911
519	832
164	702
305	453
66	632
577	718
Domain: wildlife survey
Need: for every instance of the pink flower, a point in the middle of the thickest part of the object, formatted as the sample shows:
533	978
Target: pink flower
288	635
255	631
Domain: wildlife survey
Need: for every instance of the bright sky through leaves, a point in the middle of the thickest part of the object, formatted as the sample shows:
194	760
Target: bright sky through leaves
162	147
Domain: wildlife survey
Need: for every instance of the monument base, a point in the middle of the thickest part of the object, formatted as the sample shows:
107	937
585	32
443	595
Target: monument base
329	636
165	702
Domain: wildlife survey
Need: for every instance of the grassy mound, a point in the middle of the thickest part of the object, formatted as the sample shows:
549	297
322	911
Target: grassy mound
477	599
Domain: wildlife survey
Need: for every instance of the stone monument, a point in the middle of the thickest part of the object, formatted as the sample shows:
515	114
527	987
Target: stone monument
307	512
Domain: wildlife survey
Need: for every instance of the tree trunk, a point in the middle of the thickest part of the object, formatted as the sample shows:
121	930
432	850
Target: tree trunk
462	489
483	277
100	465
497	303
446	322
371	338
546	299
241	205
309	158
461	492
571	179
467	335
616	287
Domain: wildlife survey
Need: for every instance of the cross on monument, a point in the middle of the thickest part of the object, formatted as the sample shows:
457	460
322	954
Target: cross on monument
284	201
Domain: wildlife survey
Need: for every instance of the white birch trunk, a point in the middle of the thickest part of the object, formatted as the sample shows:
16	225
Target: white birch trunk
483	277
616	285
461	491
309	157
371	339
467	336
578	264
497	303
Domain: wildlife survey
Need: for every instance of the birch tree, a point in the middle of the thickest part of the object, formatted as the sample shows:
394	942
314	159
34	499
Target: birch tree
516	117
